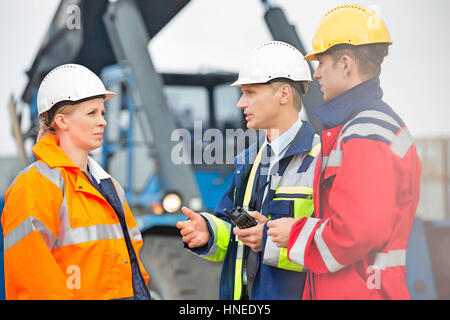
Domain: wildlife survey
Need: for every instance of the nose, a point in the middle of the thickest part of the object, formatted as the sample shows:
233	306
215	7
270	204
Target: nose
241	104
316	75
102	122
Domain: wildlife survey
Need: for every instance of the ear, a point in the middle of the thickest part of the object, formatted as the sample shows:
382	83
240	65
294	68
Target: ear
348	65
285	93
61	122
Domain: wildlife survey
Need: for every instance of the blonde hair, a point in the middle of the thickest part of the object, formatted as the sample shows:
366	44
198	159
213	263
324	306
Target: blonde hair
47	123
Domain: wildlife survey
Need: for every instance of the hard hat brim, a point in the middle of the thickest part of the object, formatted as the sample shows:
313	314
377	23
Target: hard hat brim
311	56
109	95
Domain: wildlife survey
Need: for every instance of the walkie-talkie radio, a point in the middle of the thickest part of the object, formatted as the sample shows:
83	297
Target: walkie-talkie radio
241	218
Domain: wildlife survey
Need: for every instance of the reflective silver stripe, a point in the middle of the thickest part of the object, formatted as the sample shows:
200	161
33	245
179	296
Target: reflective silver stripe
53	174
66	234
373	114
399	143
367	129
297	252
90	233
31	223
120	193
63	212
292	178
135	234
393	258
402	143
271	253
240	251
325	252
213	250
316	147
27	226
333	160
21	172
215	247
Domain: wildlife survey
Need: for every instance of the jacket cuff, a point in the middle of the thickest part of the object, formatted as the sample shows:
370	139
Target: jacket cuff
270	252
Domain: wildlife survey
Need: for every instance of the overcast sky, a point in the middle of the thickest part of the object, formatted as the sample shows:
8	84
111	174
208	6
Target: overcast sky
217	34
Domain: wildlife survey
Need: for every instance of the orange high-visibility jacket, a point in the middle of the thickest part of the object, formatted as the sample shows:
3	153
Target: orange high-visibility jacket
62	239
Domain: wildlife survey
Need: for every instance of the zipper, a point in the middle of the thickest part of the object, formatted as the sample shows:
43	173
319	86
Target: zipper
313	282
294	195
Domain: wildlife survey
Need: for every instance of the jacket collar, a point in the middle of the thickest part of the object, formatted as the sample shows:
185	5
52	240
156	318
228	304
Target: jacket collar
48	151
302	143
96	170
280	144
343	107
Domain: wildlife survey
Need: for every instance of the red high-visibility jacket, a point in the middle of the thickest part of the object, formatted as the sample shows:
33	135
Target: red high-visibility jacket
366	191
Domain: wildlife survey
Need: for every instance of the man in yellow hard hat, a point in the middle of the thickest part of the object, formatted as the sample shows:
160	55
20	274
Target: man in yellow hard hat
367	179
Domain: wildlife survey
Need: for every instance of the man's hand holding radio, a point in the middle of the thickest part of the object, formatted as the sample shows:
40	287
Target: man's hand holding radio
252	237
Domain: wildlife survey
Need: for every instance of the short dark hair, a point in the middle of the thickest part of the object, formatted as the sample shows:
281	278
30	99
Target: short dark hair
298	89
369	57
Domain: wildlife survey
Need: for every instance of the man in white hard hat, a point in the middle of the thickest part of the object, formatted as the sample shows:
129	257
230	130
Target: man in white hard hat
273	179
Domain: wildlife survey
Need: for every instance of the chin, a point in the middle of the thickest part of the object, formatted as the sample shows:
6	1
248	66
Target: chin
94	146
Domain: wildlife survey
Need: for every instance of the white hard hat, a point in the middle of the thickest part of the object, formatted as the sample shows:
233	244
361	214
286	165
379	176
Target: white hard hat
69	82
272	60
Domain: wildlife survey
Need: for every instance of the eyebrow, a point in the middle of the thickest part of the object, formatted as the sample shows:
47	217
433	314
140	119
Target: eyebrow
93	108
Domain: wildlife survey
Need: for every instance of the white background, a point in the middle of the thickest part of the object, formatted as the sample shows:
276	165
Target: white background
217	34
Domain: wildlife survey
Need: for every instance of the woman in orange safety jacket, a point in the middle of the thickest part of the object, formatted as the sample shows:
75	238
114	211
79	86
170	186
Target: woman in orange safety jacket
68	230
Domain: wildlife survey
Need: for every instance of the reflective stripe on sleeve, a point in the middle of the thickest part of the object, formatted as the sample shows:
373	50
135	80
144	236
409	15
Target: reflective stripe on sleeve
27	226
271	253
31	223
400	143
297	252
393	258
373	114
221	234
277	257
328	258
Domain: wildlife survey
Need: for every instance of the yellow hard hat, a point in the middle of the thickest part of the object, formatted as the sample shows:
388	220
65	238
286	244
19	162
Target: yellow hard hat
349	24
